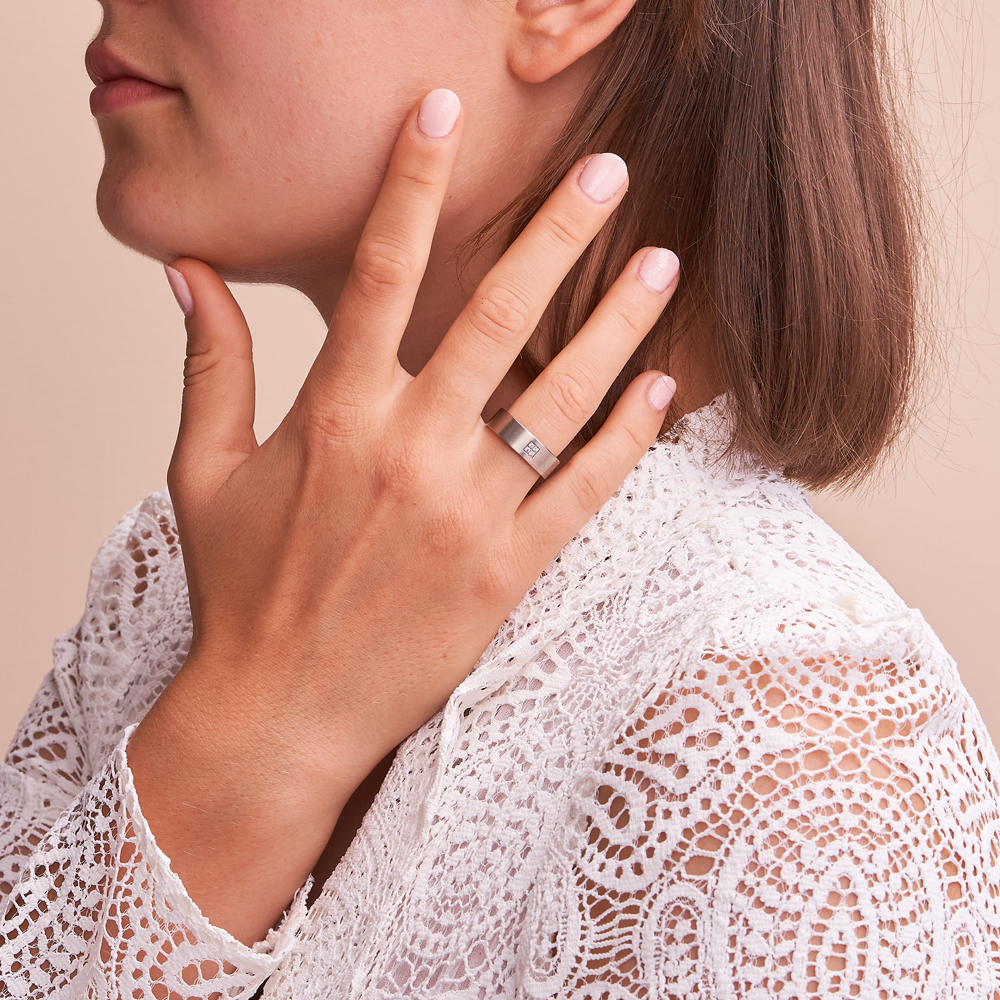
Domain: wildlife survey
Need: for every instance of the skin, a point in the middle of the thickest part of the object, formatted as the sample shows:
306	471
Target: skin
346	574
309	146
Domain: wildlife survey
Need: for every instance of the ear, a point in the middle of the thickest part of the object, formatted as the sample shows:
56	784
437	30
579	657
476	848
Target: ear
550	35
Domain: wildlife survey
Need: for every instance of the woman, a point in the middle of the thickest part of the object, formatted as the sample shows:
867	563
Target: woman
370	709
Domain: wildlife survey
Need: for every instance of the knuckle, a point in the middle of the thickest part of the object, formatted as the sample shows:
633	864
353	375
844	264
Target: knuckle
447	532
492	580
502	315
564	231
323	429
198	365
632	442
572	393
383	266
593	485
177	479
419	178
627	321
396	473
185	480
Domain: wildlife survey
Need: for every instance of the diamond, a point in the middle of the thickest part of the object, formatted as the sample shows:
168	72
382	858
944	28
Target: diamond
531	449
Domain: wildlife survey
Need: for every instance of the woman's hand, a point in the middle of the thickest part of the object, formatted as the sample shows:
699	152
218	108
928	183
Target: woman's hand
346	574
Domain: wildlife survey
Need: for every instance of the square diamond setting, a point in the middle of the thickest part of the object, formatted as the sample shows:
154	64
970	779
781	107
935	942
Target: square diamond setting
531	449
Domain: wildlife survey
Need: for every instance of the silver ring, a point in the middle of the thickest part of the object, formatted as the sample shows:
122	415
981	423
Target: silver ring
524	443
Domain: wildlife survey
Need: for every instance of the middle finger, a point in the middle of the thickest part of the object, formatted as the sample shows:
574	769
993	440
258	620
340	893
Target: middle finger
488	335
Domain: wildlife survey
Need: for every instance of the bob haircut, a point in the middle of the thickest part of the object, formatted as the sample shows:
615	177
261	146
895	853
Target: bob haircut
763	145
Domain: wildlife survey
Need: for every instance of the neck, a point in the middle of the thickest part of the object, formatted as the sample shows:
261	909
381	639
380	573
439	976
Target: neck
451	276
501	154
448	283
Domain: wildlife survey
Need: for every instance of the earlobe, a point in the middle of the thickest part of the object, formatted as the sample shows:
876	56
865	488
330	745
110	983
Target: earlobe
550	35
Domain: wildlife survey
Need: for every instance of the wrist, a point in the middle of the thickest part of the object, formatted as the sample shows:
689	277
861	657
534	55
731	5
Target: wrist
216	723
241	802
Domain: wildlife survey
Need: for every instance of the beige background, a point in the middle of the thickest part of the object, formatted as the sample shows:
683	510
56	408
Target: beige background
92	350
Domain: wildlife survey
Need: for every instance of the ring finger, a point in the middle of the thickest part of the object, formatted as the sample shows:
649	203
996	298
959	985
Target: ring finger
570	388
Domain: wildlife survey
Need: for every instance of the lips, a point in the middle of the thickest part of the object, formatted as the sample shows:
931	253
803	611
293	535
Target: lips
119	85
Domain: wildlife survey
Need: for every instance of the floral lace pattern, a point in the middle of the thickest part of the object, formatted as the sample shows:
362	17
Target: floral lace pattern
710	754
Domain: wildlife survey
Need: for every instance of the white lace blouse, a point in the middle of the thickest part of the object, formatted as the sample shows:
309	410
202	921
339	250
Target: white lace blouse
711	754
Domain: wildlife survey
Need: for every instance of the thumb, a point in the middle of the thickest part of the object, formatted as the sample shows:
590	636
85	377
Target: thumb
217	408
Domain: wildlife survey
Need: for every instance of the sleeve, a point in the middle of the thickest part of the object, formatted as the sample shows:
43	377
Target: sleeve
89	904
810	813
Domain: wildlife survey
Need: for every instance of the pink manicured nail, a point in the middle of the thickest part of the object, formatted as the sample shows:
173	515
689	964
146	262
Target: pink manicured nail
658	269
661	390
438	113
179	286
603	176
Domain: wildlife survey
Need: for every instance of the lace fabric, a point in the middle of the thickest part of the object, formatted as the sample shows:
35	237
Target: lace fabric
710	754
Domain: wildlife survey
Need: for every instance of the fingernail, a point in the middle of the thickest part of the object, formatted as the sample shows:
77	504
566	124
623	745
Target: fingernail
179	286
661	390
603	176
658	269
438	113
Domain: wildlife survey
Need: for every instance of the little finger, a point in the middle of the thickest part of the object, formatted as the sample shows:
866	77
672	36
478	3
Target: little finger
559	507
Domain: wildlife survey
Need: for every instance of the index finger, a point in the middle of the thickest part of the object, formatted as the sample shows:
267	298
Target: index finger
374	307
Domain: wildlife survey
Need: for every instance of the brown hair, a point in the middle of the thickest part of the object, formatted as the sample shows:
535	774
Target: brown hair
763	146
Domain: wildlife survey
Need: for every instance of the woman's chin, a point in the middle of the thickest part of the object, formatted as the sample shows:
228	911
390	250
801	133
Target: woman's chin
158	224
146	219
163	225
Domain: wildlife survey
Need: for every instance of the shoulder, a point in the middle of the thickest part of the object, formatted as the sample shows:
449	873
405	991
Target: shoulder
793	820
747	520
780	674
806	800
762	612
703	548
134	632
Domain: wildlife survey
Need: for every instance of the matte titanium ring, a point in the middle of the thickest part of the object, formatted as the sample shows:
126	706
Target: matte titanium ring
524	443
